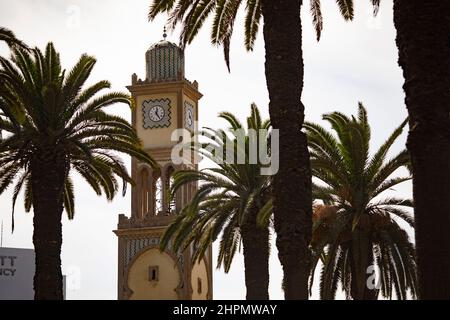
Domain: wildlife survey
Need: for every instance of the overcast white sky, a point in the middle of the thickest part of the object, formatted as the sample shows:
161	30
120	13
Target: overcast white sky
353	62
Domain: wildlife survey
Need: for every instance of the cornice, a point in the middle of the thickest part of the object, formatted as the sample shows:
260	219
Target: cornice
165	87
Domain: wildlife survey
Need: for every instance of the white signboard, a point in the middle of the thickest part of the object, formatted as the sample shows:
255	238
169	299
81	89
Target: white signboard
16	274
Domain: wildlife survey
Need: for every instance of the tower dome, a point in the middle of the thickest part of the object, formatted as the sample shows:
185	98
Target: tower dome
164	62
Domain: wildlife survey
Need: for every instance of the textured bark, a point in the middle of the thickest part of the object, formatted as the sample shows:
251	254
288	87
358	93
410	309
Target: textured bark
423	40
292	183
48	172
255	240
361	252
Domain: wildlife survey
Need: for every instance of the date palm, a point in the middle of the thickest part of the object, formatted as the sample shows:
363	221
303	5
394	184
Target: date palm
55	126
282	31
424	55
226	204
357	227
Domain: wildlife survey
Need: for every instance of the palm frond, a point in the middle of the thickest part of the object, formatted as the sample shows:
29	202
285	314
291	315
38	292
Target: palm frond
9	37
231	119
316	14
69	202
194	19
346	8
380	156
251	24
159	6
376	6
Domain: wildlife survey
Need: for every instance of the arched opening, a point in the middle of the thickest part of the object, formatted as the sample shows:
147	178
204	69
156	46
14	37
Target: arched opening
172	203
158	195
145	192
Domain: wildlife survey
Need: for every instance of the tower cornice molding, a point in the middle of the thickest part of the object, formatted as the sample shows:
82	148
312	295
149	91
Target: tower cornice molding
143	88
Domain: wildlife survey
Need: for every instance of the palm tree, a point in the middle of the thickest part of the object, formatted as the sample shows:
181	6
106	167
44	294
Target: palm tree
53	126
357	227
282	31
424	55
227	202
10	39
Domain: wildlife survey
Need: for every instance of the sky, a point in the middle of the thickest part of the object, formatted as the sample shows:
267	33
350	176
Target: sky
354	61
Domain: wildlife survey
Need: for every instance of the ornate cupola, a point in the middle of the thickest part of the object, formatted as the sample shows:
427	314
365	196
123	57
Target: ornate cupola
164	62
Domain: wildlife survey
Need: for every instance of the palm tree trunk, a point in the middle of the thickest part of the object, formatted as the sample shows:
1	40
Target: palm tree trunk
292	183
255	240
424	55
361	252
48	173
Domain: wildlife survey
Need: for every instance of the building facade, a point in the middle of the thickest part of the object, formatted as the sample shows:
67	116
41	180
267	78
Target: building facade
163	102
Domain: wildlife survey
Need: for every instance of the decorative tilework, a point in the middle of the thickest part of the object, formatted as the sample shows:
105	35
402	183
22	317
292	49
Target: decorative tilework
134	246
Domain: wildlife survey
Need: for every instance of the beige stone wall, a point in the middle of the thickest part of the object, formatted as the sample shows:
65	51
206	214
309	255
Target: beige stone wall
168	277
199	271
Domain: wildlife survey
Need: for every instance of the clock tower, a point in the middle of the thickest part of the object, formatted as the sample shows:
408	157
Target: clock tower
163	102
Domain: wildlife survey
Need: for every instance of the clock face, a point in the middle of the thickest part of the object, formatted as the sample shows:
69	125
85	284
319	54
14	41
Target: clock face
156	113
189	119
189	115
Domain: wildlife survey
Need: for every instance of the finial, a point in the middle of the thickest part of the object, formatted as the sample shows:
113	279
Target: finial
164	33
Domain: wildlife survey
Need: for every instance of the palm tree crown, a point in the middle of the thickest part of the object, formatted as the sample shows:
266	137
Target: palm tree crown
45	109
227	203
358	227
